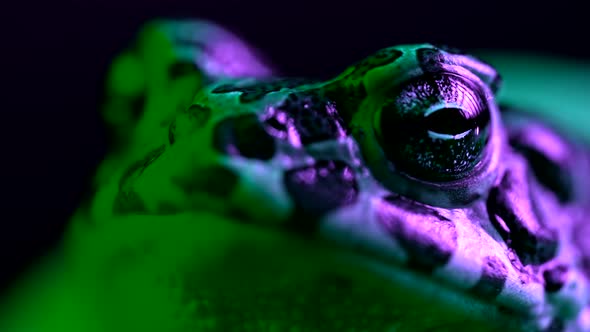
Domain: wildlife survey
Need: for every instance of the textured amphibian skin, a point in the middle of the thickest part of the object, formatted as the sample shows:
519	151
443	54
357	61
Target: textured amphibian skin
404	162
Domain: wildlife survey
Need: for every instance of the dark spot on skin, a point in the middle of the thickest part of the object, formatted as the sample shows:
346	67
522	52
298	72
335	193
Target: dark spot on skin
171	130
346	98
492	280
200	114
226	88
251	96
581	239
128	202
510	204
550	173
349	91
311	117
496	83
245	136
430	59
215	180
182	68
380	58
429	238
557	325
544	148
555	278
319	189
256	91
139	166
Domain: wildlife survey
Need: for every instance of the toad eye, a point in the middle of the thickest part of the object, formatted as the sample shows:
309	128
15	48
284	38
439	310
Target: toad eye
435	128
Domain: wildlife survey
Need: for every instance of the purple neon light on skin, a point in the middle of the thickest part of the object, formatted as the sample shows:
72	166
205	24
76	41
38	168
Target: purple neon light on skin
553	147
222	61
216	53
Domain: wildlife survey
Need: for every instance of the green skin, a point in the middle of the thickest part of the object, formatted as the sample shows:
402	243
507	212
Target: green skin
198	270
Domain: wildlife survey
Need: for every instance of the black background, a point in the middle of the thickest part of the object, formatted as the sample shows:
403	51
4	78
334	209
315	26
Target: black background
56	53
